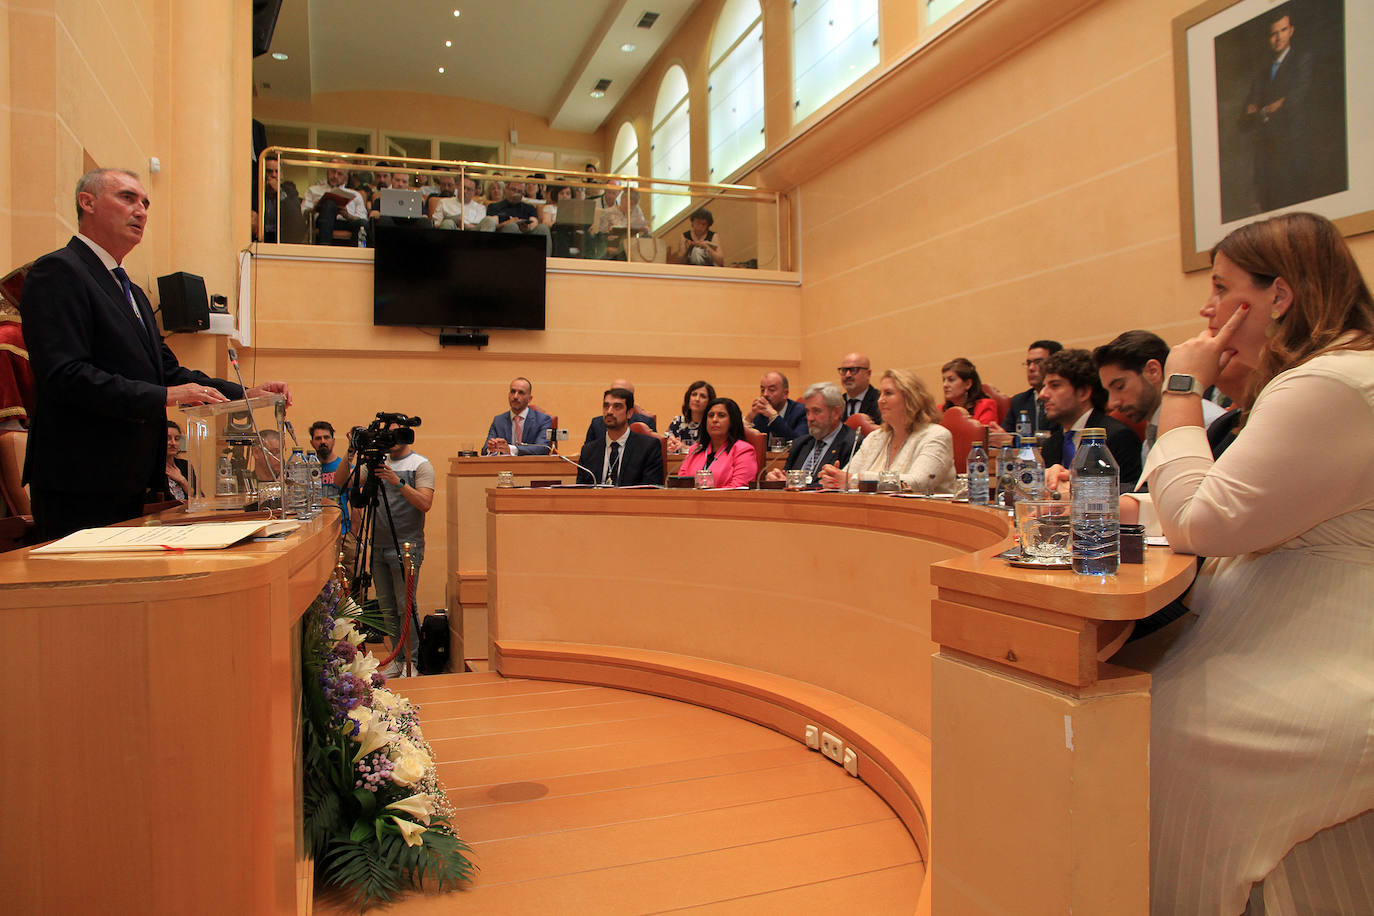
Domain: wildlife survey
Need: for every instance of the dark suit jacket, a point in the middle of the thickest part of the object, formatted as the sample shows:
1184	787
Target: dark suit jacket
597	428
640	463
868	405
839	450
1122	442
531	433
1026	401
100	420
790	423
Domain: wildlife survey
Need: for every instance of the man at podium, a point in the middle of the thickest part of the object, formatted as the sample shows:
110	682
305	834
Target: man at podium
103	376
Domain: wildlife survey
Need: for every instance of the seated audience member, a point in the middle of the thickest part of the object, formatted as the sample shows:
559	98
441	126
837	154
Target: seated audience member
534	189
494	191
520	430
1074	400
859	395
548	213
772	412
611	222
963	388
381	182
1260	703
447	189
514	215
827	442
335	207
395	181
281	204
1029	400
685	429
700	245
910	441
620	456
1131	368
469	213
595	428
177	485
723	448
590	193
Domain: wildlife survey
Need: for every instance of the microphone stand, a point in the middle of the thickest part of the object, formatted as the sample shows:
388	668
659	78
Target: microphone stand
853	447
581	468
253	425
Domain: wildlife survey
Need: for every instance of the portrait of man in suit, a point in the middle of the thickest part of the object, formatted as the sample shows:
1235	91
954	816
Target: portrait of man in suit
520	430
619	456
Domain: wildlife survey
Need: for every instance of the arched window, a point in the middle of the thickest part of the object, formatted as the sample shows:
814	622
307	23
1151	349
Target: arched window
735	88
834	42
670	144
625	154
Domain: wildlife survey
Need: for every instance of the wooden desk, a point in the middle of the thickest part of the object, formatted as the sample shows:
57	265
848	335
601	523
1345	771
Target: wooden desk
152	760
964	686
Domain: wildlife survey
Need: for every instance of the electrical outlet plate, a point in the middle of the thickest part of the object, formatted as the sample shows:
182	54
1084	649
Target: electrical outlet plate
813	737
832	747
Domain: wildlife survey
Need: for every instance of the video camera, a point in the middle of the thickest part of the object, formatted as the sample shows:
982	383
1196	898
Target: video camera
371	443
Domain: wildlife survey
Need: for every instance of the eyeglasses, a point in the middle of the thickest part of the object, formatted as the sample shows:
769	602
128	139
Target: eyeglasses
852	370
1034	362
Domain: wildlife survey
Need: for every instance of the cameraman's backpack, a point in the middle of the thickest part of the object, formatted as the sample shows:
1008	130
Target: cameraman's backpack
434	643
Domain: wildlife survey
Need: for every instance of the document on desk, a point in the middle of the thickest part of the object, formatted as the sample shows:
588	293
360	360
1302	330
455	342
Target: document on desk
203	536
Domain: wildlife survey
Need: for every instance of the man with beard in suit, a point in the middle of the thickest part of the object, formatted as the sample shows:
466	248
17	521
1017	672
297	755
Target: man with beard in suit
104	378
619	456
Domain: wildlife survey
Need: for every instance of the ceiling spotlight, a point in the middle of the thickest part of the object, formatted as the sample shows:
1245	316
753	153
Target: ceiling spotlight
448	44
455	12
280	55
441	69
627	47
597	94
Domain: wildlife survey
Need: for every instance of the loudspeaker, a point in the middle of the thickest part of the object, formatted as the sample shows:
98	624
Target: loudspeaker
185	307
264	24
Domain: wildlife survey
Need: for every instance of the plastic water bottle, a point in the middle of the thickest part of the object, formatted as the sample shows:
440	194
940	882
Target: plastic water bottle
315	496
1006	472
226	482
1023	425
1095	485
297	484
977	475
1030	470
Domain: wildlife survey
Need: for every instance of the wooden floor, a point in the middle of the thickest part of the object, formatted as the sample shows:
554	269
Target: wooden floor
591	800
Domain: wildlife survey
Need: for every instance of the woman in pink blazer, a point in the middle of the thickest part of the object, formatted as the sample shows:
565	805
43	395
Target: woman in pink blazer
722	448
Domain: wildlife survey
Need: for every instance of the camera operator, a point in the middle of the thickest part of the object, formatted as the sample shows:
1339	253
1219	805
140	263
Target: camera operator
406	482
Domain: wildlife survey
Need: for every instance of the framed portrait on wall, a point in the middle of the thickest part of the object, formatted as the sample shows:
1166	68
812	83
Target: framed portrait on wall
1275	107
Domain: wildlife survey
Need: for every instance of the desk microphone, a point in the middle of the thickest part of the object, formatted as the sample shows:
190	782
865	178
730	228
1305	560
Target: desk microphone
581	468
853	447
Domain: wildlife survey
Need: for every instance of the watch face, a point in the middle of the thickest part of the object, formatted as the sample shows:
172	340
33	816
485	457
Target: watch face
1180	383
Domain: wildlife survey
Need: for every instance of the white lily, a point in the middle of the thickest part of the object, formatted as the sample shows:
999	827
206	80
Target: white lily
362	666
419	806
344	629
410	831
378	735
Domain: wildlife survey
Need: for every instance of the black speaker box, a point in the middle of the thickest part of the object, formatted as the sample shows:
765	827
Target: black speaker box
185	307
264	24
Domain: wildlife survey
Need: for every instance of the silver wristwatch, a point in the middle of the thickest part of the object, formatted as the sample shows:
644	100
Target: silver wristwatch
1180	383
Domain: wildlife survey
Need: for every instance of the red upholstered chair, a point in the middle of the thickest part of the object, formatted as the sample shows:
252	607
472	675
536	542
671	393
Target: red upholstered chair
1001	400
759	441
553	446
965	431
662	444
861	423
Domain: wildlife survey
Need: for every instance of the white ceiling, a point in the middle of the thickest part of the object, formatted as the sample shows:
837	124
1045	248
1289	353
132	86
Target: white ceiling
537	56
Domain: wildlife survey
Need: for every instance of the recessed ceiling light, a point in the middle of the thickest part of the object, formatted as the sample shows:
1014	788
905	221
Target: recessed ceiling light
448	44
627	47
597	94
441	69
280	55
455	12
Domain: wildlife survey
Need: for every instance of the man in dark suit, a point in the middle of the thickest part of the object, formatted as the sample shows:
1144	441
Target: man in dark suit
104	377
859	394
828	440
773	412
1074	398
597	428
520	430
1276	118
1029	400
620	457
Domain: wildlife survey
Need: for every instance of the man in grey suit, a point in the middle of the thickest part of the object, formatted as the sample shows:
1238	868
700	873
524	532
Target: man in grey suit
520	430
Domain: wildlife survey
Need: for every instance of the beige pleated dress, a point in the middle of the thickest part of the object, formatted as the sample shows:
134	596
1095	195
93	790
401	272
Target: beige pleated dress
1262	711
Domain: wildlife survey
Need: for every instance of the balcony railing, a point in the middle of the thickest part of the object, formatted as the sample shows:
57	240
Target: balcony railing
601	216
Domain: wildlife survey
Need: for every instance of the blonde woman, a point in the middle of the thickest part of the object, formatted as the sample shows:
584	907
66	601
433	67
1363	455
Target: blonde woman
910	441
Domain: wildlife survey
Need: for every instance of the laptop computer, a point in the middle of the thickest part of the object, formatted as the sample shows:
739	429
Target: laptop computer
399	202
576	213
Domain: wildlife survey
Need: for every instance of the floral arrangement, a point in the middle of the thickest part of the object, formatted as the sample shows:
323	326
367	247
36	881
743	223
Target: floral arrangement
376	818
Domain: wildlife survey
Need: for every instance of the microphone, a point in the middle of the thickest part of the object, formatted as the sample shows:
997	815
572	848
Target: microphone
853	447
291	431
253	424
581	468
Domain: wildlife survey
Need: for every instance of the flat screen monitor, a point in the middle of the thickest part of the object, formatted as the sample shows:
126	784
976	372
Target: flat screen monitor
443	278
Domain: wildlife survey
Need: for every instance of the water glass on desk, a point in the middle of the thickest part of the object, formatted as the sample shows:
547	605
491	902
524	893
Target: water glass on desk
705	480
889	482
1044	528
505	479
796	479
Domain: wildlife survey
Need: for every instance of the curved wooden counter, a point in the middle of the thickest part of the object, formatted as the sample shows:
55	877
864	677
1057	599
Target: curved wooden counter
151	757
796	609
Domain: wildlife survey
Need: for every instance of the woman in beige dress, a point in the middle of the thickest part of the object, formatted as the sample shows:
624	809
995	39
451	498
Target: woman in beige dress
1262	711
911	440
